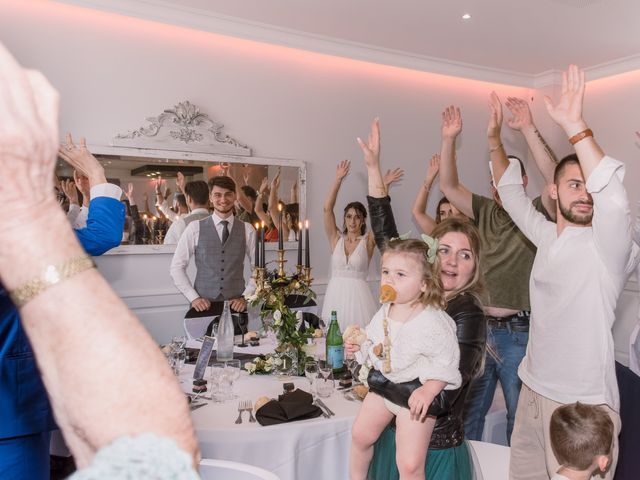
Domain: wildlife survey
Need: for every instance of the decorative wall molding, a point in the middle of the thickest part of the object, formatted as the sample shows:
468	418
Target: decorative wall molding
185	128
198	19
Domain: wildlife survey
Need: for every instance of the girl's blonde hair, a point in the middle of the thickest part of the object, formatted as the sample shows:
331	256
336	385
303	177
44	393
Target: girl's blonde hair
434	293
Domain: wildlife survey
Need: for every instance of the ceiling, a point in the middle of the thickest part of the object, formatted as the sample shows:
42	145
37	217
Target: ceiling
520	38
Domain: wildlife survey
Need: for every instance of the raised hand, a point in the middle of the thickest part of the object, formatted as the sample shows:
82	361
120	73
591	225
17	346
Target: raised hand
568	111
158	185
433	168
264	185
275	183
246	174
451	122
69	189
83	184
495	117
371	149
129	193
167	193
180	182
82	160
392	176
342	170
521	112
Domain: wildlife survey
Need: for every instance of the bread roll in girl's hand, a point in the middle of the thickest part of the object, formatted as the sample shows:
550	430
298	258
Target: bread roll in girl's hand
354	334
387	294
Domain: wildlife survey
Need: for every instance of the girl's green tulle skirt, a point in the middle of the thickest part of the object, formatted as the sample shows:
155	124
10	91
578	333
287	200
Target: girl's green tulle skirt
448	464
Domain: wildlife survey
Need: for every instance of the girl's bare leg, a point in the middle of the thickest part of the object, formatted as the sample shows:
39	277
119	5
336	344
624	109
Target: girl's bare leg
369	424
412	443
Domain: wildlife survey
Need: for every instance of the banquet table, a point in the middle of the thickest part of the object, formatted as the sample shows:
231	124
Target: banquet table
307	449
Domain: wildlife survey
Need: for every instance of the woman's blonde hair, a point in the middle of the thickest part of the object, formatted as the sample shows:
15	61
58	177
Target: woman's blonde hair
434	293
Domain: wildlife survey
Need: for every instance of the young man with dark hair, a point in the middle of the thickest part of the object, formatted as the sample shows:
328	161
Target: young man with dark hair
580	269
581	437
220	243
196	194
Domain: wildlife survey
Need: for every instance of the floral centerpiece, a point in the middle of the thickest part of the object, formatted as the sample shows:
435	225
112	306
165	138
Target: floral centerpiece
271	294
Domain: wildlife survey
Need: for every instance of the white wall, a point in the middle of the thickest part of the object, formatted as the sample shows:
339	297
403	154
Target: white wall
114	71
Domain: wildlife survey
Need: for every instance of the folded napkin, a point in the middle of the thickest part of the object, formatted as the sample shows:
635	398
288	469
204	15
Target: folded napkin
290	407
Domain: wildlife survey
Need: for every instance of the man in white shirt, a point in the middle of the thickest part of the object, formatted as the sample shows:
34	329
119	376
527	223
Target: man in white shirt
196	194
579	271
220	243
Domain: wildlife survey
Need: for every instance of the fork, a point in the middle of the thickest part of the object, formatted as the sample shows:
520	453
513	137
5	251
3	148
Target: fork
248	406
240	410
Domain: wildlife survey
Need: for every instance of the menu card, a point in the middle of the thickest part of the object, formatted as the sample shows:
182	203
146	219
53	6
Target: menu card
203	357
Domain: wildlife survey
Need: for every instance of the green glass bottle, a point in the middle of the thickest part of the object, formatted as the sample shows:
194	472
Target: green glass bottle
335	345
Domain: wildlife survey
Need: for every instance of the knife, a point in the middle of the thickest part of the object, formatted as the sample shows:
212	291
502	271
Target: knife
197	406
322	404
324	413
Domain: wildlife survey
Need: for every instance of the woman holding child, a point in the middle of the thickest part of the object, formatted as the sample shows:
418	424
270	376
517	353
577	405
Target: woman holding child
458	252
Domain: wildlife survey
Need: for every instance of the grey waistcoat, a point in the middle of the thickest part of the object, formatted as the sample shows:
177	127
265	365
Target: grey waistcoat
220	267
192	217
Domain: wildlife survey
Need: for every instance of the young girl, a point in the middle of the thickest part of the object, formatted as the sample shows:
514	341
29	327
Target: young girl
410	339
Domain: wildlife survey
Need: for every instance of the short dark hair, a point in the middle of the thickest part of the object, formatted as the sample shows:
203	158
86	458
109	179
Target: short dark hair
358	207
523	172
181	200
198	190
580	432
562	164
442	201
223	182
250	192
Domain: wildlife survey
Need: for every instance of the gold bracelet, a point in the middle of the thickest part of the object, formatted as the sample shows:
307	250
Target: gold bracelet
491	150
51	275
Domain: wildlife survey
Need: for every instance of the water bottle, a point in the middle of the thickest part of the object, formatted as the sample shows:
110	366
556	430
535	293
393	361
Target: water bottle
225	335
335	346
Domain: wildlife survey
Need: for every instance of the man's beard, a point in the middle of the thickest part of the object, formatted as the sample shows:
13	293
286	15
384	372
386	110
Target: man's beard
227	210
578	219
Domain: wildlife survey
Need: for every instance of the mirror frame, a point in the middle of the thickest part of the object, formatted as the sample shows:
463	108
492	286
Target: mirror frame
157	141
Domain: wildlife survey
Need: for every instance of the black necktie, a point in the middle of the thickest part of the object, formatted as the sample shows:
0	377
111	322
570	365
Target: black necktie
225	231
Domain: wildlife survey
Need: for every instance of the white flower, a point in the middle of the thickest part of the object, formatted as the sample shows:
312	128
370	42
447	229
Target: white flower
268	367
251	298
277	318
269	361
364	374
250	367
278	361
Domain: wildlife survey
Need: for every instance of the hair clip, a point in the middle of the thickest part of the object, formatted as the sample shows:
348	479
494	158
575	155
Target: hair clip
432	243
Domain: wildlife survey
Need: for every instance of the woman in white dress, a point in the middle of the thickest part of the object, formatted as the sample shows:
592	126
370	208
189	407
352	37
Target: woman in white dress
352	248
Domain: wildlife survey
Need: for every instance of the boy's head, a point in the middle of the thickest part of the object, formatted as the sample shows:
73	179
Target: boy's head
581	436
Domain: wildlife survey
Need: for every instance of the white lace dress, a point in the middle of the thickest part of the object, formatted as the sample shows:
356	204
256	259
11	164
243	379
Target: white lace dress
348	292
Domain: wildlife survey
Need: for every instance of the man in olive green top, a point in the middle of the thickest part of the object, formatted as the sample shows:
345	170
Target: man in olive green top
507	260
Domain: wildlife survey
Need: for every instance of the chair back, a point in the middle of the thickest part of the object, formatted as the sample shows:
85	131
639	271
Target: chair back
490	461
196	327
223	469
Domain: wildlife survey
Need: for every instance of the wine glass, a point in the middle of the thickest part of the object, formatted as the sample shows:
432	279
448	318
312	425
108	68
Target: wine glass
311	372
243	321
232	371
324	387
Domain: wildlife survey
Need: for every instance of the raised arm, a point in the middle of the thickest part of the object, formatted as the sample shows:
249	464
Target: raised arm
497	154
522	120
260	211
391	177
330	228
371	153
456	193
426	222
92	413
568	114
274	199
243	200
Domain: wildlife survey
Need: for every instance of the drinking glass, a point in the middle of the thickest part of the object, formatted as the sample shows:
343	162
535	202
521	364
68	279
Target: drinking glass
232	372
219	381
325	383
311	372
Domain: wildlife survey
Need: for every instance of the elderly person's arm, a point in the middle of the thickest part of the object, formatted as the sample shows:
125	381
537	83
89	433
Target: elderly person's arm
99	365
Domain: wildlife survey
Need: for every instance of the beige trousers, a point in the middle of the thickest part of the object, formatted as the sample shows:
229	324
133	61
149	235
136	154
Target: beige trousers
531	454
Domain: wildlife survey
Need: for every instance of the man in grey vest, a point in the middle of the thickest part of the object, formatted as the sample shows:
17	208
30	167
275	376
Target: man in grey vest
220	243
197	196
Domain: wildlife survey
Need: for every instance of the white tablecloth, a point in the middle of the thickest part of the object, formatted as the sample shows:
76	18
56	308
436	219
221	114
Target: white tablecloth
308	449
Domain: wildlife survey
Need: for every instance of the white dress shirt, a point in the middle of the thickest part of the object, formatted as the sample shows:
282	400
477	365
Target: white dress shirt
575	283
77	215
165	209
177	228
187	246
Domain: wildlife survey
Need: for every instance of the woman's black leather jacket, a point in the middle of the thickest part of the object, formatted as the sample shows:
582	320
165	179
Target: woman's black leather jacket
466	312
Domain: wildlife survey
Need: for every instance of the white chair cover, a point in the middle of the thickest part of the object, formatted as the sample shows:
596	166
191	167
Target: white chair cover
196	327
490	461
222	469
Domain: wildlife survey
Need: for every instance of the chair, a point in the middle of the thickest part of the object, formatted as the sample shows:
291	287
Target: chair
193	321
222	469
490	461
196	327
